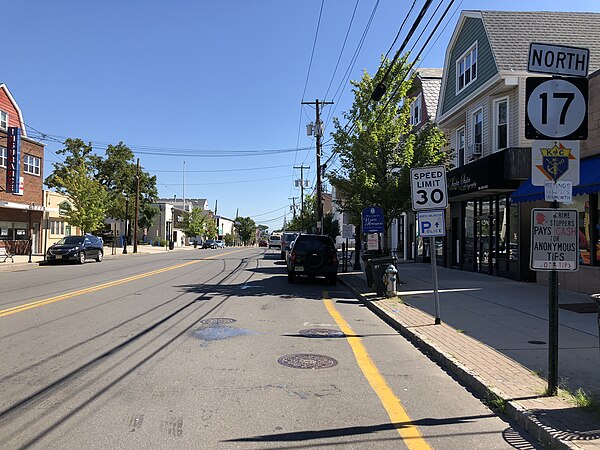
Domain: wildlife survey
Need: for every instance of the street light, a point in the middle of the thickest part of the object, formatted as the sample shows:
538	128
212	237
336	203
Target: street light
126	223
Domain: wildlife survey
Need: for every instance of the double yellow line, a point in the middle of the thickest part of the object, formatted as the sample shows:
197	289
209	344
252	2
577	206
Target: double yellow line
98	287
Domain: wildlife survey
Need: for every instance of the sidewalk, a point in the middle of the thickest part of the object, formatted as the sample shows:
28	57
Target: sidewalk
490	339
21	262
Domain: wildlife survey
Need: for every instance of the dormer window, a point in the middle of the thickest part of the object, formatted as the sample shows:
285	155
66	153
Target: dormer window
466	68
3	120
415	111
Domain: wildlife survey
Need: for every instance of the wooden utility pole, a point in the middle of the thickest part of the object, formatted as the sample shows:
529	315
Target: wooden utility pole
318	131
137	207
301	167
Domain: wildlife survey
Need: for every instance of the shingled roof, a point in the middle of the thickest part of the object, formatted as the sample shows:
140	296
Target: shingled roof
511	32
431	82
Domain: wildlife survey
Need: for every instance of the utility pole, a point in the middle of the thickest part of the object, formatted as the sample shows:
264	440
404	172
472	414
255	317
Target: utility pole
318	131
293	199
301	185
137	207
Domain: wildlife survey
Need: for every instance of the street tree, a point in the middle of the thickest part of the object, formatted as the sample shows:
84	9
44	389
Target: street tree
76	179
194	222
246	230
117	171
377	139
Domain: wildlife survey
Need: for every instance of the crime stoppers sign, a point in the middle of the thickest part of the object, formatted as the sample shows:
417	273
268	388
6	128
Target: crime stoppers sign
554	239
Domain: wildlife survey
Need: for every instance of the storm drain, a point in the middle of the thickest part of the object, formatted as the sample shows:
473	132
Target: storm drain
307	361
218	321
536	342
582	308
320	333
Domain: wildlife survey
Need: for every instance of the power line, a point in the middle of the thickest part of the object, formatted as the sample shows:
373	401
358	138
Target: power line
313	49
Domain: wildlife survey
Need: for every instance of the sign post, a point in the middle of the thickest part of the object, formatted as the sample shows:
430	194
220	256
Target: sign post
429	192
556	110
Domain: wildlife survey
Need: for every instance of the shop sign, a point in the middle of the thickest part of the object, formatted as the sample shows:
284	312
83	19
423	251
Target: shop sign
554	239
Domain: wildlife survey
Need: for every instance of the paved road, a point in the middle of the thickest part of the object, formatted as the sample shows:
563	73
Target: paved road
128	354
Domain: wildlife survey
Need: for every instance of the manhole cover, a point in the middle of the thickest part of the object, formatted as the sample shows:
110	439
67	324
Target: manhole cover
307	361
537	342
320	332
217	321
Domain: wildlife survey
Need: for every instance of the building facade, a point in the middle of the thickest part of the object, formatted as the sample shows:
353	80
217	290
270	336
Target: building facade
21	213
482	111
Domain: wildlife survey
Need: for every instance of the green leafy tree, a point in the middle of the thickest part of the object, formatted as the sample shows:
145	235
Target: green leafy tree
194	222
117	171
246	230
75	178
211	229
381	139
228	238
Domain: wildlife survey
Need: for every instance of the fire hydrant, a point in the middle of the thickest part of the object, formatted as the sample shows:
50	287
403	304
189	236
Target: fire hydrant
389	280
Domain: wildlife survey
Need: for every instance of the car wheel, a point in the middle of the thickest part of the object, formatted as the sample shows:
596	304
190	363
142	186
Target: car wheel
81	257
100	256
291	278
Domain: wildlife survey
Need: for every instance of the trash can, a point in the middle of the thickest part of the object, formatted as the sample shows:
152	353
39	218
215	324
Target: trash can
377	268
171	245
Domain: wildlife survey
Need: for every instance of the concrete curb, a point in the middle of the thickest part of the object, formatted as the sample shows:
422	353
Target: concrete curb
512	409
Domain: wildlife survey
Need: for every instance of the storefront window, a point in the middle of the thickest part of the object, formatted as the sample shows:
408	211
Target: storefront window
513	243
13	231
6	232
582	204
469	234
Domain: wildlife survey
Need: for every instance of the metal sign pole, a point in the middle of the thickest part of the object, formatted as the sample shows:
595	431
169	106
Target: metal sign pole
553	328
436	293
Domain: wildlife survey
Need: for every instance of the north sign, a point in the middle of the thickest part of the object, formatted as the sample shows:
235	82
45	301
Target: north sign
556	108
558	60
428	188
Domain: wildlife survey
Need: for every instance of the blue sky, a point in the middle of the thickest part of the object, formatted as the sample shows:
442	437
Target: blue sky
187	80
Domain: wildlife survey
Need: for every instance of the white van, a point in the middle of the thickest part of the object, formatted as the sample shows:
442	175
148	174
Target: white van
275	241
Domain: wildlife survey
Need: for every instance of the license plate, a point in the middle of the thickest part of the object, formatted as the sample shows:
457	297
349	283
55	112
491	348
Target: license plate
58	256
299	269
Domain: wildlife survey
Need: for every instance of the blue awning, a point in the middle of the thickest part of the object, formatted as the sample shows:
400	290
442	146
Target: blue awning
589	182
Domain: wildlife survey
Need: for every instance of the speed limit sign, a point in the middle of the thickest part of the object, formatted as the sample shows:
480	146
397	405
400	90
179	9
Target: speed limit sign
556	108
428	188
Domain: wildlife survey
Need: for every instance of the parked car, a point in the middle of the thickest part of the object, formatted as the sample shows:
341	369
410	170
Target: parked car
275	241
76	248
287	238
263	243
313	255
219	243
209	243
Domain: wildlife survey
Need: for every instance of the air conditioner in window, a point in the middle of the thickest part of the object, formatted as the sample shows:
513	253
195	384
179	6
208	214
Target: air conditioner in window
477	149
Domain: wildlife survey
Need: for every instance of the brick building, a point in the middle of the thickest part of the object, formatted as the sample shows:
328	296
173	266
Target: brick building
20	214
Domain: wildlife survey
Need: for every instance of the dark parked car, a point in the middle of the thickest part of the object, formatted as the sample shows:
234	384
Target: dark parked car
286	239
313	255
76	248
209	243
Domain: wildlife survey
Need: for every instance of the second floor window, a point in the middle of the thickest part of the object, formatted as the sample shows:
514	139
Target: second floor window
3	157
466	69
31	165
415	111
501	113
460	147
3	120
477	133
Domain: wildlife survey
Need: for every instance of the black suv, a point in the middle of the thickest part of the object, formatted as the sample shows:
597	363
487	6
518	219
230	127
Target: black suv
313	255
76	248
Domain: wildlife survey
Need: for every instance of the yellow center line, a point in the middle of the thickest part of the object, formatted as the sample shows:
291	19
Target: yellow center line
98	287
400	419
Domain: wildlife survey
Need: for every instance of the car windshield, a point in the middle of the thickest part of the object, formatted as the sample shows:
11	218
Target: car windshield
70	240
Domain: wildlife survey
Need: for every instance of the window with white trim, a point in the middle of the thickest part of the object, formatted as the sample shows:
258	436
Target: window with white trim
415	110
466	68
3	120
3	157
460	147
477	133
31	165
501	124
